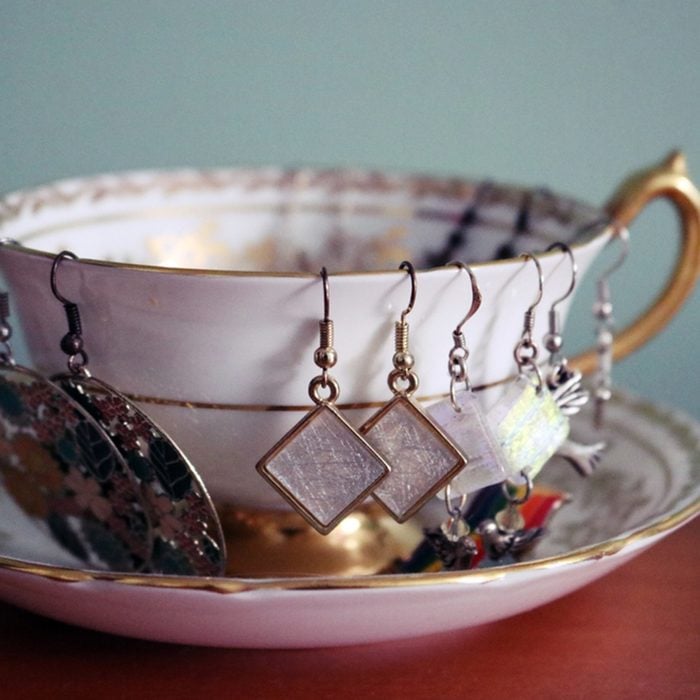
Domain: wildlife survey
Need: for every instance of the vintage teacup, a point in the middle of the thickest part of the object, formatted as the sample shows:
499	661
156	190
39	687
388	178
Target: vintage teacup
200	295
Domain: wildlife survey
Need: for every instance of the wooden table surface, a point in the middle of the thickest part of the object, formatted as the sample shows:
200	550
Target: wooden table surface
633	634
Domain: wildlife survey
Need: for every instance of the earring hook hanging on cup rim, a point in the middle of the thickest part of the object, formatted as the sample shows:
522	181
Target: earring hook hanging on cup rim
525	352
72	342
408	266
476	294
60	257
457	359
621	234
326	295
564	248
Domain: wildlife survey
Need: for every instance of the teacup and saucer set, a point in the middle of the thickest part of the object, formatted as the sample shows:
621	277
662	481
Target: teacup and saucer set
301	408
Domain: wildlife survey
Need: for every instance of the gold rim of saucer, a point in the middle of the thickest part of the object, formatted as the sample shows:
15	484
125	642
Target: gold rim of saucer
685	432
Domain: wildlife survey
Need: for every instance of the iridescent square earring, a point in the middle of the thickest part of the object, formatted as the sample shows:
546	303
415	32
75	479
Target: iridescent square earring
322	466
422	458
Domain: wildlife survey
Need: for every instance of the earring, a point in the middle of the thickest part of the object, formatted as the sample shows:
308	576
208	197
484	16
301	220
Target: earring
506	534
187	535
64	472
322	466
461	416
526	420
451	541
603	312
422	457
565	383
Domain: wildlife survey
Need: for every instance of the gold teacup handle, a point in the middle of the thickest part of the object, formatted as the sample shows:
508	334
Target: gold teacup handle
669	179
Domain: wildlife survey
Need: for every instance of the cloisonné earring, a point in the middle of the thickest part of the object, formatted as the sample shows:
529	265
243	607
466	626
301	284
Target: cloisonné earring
603	312
422	458
565	383
322	466
60	467
461	415
187	535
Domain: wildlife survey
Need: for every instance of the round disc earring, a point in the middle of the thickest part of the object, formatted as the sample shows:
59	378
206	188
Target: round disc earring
187	534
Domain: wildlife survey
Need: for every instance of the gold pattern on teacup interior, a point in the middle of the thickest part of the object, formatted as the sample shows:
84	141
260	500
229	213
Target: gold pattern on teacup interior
685	435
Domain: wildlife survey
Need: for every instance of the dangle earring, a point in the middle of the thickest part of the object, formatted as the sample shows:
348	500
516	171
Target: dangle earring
63	471
603	312
322	466
421	456
187	535
527	420
451	541
565	383
505	535
461	416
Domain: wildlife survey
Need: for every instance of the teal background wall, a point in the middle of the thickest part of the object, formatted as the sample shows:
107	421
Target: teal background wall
566	94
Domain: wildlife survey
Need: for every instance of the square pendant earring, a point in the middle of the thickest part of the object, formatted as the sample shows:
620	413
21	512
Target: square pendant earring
422	458
322	466
187	534
462	417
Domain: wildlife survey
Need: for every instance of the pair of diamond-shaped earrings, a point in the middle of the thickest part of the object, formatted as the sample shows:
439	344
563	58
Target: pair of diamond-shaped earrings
324	467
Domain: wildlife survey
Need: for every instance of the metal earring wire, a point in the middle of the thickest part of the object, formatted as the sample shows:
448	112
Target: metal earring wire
553	340
323	467
422	458
457	361
187	538
526	350
605	326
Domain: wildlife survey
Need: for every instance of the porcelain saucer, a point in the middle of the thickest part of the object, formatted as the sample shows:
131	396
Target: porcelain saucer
647	486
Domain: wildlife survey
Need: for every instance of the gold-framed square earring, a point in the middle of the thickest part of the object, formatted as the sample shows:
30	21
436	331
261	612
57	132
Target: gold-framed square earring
323	467
422	458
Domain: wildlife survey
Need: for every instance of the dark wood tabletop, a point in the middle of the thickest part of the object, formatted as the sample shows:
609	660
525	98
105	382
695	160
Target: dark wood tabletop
633	634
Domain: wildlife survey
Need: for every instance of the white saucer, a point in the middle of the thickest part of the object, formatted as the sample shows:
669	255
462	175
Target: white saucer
647	486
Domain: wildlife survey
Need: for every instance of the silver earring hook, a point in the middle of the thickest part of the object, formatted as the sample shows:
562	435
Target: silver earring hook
63	255
525	352
326	295
540	282
72	342
574	272
408	266
476	294
622	235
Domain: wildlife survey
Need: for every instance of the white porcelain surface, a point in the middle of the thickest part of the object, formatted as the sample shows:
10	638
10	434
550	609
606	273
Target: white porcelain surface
211	353
648	485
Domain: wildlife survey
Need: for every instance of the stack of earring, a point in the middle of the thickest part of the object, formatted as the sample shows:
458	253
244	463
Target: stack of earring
187	535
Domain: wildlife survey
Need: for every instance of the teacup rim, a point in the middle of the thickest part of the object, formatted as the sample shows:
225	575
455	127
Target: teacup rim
599	226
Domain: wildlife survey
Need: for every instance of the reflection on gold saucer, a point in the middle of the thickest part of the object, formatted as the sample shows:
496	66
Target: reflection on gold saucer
264	543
